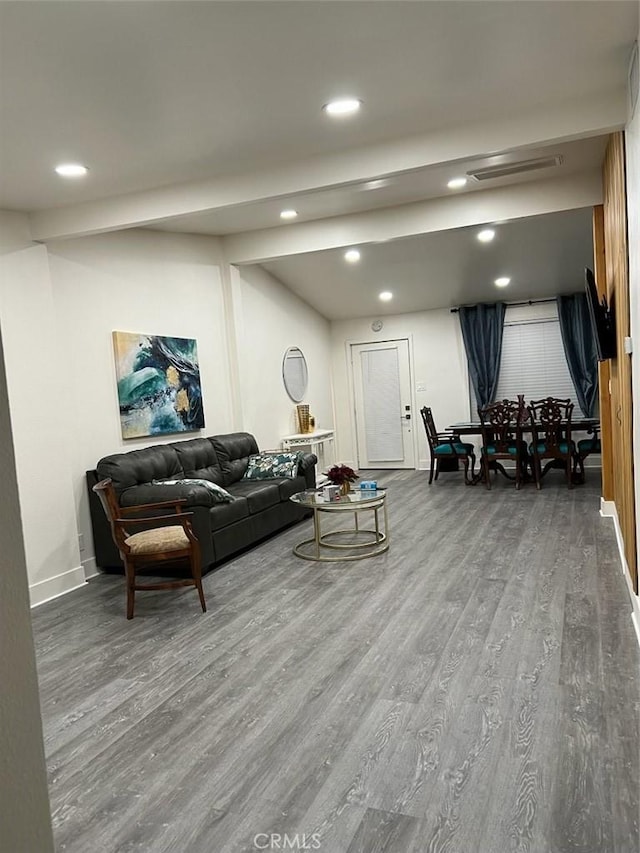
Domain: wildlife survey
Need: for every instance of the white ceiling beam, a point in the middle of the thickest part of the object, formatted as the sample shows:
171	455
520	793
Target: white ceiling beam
574	121
441	214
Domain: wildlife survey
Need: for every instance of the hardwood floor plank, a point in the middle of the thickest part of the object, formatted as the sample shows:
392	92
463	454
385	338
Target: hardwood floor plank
414	766
518	810
472	690
581	815
385	832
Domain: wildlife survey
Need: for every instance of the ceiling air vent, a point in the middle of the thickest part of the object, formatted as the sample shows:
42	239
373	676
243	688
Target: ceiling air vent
518	168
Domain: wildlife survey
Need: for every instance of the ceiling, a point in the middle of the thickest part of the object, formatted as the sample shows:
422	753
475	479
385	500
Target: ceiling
543	256
206	117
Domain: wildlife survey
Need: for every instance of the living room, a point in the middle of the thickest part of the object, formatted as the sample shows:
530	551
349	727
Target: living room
76	268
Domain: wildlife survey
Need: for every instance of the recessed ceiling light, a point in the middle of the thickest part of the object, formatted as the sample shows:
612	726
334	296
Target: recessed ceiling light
503	281
342	107
352	256
486	236
71	170
456	183
385	296
288	214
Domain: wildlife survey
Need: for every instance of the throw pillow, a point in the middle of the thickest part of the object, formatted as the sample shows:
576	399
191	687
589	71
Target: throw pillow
267	466
218	494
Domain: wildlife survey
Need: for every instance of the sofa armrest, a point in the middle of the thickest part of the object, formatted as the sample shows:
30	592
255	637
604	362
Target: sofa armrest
307	468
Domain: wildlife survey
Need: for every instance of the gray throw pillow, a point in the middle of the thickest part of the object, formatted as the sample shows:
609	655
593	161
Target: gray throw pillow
218	494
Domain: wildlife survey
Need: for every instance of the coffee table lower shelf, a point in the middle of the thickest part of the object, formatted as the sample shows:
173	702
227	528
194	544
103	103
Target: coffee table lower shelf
367	542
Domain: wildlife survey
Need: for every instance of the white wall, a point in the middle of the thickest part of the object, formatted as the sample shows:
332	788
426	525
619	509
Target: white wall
37	371
59	305
137	281
24	801
14	231
438	363
271	319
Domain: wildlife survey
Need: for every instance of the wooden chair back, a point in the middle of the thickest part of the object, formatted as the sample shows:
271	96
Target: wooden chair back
109	500
551	422
499	424
430	427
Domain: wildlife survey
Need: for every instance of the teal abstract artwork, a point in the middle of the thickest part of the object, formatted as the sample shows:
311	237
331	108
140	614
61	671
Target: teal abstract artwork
158	384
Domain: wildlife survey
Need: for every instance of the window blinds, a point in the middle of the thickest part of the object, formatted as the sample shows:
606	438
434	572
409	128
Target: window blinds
533	363
382	405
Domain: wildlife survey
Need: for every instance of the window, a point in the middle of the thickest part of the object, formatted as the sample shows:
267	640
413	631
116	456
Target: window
533	360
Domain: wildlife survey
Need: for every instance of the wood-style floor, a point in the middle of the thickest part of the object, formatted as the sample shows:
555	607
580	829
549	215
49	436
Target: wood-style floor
473	690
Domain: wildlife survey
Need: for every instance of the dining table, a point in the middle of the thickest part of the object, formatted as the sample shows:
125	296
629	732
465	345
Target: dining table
589	425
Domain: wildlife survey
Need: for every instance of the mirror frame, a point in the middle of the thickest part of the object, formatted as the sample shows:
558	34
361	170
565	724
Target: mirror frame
288	384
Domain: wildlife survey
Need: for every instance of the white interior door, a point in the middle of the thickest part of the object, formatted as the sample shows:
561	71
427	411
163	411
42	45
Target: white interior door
384	420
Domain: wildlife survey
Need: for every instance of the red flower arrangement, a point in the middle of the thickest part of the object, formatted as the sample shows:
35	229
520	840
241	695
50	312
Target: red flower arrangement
341	474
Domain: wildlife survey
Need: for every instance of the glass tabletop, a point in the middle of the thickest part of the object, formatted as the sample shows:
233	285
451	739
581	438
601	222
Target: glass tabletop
358	497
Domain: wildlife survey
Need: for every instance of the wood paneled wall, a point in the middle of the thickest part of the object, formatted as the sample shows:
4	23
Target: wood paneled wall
612	276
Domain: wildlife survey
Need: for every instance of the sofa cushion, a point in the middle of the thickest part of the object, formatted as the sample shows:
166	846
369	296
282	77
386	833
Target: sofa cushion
288	487
140	466
223	514
198	460
259	495
271	466
233	451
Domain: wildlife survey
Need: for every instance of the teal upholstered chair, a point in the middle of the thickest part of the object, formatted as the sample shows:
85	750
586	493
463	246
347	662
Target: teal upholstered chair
446	448
586	447
501	424
551	427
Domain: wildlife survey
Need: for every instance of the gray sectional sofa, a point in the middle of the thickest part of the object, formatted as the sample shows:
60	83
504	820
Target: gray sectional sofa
259	507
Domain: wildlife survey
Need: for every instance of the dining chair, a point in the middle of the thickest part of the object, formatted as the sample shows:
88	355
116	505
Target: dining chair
551	428
166	540
586	447
500	423
446	447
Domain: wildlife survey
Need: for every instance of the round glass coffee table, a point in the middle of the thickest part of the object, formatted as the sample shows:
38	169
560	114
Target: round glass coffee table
330	547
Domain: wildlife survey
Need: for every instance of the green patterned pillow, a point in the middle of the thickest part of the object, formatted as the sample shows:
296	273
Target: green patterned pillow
218	494
266	466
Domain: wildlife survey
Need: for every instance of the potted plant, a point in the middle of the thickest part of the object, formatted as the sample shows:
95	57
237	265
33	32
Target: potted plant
343	476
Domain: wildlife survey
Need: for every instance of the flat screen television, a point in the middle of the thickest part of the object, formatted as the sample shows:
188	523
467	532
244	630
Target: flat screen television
602	319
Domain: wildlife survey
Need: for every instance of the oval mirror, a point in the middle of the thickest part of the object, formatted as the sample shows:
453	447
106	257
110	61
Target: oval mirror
294	373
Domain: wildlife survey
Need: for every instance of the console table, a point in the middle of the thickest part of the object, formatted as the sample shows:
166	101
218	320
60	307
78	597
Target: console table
320	442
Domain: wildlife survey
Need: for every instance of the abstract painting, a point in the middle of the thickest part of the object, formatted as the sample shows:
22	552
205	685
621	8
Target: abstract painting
158	384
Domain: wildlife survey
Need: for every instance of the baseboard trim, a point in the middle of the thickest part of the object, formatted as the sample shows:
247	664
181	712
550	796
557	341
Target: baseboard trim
608	509
46	590
90	568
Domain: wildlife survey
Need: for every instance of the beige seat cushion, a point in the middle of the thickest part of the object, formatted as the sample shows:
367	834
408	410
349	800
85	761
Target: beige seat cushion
158	539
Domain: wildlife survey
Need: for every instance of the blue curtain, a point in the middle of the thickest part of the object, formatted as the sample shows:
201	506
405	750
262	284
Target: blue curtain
579	349
482	335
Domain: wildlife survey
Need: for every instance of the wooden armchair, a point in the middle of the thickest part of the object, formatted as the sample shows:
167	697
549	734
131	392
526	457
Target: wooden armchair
446	447
501	424
551	426
158	541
